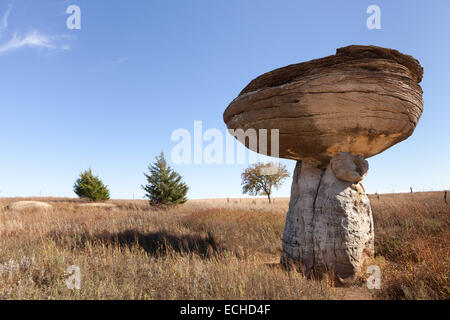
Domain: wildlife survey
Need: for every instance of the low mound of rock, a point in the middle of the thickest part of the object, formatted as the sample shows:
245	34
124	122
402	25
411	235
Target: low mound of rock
29	205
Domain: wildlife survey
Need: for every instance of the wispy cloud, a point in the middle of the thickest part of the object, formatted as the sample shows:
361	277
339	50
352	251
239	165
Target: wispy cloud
32	39
123	59
4	21
111	63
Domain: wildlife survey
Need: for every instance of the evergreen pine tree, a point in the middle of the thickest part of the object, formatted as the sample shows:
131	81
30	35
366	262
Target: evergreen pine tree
165	186
91	187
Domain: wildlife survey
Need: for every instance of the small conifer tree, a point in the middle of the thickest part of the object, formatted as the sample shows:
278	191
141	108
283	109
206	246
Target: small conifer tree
91	187
164	185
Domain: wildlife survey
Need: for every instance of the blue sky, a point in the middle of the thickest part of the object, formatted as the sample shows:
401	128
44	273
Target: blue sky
109	96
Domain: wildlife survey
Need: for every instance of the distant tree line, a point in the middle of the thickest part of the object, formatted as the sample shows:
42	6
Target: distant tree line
166	186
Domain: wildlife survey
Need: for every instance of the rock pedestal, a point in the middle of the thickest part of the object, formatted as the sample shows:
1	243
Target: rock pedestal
329	225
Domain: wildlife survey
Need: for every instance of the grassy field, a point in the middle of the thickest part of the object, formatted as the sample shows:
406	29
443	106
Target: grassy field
209	249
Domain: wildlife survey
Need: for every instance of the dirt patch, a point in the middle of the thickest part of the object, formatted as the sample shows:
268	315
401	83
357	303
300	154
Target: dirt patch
354	293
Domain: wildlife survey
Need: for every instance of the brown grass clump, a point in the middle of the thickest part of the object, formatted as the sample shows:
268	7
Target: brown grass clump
207	249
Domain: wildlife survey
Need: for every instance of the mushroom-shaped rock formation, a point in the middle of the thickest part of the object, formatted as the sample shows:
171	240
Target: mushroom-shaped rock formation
331	114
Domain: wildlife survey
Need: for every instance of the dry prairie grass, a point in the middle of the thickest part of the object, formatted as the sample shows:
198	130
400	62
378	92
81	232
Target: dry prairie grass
199	250
412	241
206	249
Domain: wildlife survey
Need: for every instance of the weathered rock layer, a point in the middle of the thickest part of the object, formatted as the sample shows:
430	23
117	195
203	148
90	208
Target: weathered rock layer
362	100
329	226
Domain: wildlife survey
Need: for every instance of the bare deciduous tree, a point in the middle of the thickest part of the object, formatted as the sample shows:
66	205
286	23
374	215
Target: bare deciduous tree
262	178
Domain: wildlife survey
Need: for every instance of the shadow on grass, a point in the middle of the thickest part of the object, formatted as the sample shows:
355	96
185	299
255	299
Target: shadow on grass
159	243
